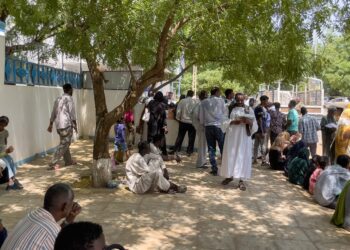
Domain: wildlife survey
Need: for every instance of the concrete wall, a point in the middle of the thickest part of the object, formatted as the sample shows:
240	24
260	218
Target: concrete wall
113	99
87	109
29	109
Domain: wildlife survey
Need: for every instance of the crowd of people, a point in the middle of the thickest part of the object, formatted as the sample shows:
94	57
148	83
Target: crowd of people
244	132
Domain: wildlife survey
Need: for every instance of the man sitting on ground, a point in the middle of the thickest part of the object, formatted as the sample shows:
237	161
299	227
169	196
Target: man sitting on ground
83	236
7	166
144	178
155	148
331	182
298	167
39	229
341	216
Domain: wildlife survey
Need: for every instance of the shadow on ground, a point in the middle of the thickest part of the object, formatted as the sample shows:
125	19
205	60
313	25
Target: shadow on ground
271	214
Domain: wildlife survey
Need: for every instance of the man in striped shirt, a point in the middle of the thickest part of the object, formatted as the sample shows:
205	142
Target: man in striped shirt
39	229
308	127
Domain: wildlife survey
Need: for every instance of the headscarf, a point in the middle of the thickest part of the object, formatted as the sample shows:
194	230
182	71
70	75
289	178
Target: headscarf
342	145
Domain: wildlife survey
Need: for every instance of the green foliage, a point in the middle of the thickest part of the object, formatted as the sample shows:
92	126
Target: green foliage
209	77
336	73
252	41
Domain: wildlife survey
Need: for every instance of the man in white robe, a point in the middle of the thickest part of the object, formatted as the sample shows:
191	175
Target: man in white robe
144	178
200	129
237	153
154	158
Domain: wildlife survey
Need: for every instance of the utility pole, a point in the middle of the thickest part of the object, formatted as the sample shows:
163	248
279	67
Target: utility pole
194	79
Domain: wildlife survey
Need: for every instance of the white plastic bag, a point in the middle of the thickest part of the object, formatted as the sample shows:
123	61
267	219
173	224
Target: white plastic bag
146	116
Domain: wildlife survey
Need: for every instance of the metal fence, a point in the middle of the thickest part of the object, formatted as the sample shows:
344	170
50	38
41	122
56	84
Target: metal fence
23	72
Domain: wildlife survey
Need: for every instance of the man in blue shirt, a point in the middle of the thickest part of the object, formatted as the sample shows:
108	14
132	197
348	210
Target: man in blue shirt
212	114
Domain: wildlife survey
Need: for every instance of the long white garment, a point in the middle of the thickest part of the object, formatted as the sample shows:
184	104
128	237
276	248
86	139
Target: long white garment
330	184
154	159
237	155
201	139
143	178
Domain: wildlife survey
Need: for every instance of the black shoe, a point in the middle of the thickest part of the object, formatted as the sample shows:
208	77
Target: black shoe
203	167
171	152
214	173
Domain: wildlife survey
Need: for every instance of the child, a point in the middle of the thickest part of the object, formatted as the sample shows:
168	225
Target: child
6	161
130	125
120	146
321	166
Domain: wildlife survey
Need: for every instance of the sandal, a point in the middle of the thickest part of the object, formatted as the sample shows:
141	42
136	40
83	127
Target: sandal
226	181
181	189
18	183
71	163
241	186
54	167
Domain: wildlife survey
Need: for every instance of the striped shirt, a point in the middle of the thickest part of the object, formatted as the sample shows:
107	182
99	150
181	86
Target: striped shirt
38	230
308	127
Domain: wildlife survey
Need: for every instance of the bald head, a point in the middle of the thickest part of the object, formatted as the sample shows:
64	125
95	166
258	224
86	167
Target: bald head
57	196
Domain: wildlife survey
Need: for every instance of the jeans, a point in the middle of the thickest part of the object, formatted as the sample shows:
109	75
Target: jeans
213	135
183	129
10	166
312	147
259	143
273	136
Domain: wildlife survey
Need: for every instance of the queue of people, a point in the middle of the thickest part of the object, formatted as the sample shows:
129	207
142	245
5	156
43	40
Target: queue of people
327	183
236	126
241	133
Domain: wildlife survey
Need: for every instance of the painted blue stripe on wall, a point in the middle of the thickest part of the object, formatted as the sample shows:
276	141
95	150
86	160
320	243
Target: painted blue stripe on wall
2	28
33	157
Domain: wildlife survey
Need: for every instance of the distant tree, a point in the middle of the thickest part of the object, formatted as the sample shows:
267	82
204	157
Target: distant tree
209	77
336	69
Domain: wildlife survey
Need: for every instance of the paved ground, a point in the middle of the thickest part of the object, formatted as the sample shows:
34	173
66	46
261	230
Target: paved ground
271	214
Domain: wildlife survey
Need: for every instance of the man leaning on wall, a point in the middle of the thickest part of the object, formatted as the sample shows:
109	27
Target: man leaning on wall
63	114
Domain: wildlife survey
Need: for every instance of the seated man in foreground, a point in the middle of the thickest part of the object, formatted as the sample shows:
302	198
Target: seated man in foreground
331	182
83	236
39	229
143	178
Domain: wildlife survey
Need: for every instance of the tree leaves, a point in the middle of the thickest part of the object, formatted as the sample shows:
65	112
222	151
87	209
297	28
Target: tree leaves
252	41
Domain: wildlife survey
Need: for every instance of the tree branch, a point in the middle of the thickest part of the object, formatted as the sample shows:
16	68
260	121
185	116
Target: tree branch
174	78
38	38
3	13
162	46
132	76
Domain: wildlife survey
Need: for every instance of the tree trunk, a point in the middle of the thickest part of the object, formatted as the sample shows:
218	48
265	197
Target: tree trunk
101	167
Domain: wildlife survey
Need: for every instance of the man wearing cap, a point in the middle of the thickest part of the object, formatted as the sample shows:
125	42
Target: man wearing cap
328	128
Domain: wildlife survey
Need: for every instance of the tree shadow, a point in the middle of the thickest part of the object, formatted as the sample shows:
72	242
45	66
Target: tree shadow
271	214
